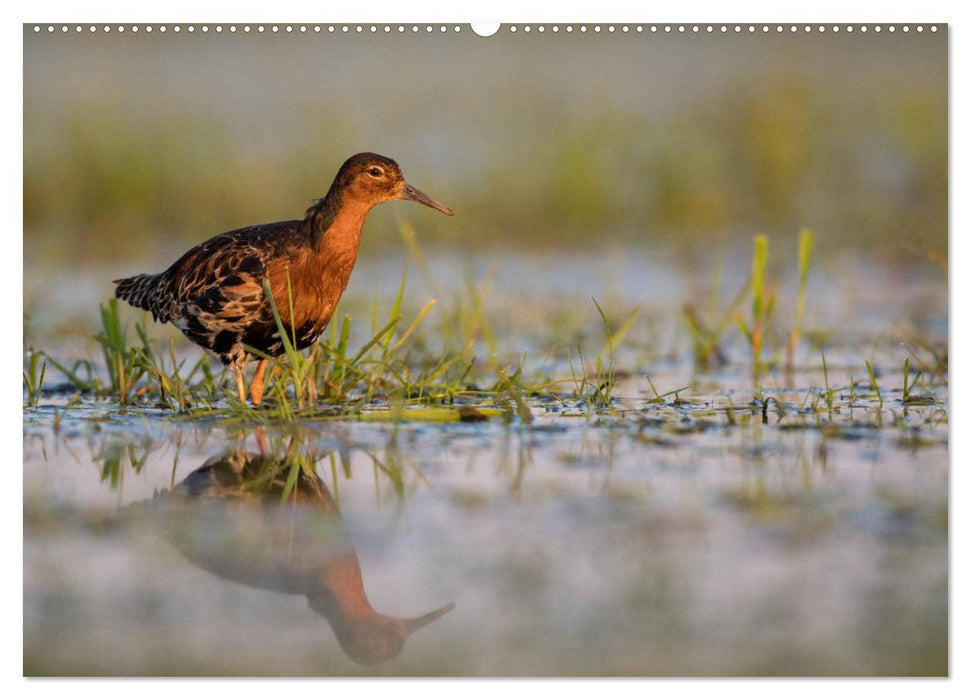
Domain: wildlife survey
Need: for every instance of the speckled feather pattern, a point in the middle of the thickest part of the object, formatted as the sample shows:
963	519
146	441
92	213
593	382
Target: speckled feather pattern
214	293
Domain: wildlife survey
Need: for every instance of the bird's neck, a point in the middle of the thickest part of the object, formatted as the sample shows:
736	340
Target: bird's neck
345	601
334	223
320	269
333	255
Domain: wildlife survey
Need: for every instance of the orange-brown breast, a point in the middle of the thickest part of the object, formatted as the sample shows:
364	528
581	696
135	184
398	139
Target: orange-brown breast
315	278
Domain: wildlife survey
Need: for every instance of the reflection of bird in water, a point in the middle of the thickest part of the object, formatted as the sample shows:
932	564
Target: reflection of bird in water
237	517
214	293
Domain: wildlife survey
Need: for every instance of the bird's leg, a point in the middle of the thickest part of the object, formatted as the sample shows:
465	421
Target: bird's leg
256	386
261	440
240	386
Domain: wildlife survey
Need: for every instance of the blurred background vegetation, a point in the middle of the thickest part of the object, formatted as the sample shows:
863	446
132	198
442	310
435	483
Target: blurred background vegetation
138	146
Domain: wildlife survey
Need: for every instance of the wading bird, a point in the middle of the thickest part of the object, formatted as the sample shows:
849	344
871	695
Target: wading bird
214	293
243	517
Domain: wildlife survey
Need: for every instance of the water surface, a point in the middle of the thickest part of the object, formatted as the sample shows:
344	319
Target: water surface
653	542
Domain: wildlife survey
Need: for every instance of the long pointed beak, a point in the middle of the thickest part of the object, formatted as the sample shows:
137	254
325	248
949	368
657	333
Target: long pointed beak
416	195
417	623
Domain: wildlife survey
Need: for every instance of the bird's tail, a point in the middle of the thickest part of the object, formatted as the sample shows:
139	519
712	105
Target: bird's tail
141	291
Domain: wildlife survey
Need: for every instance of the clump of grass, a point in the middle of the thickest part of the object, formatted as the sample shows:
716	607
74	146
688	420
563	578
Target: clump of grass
329	372
464	325
806	238
334	379
173	389
126	365
605	373
761	304
908	386
120	362
299	367
909	398
509	387
829	391
34	377
295	382
873	383
706	333
595	389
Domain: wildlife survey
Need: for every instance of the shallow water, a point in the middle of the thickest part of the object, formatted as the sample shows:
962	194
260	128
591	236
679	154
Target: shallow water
707	533
658	540
735	526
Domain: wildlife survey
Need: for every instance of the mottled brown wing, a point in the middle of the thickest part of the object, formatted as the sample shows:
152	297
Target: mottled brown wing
220	296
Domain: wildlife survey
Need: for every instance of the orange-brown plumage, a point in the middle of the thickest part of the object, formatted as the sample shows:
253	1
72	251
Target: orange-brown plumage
286	537
214	292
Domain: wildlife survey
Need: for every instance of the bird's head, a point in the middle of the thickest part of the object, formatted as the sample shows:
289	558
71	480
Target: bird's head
372	178
371	638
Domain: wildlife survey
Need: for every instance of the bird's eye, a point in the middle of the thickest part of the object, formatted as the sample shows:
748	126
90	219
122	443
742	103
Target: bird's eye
375	172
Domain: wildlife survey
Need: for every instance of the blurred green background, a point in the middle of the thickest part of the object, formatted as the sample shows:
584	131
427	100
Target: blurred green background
138	146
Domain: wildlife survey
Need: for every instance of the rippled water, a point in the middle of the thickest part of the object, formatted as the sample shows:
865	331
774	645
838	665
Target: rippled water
660	540
709	533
